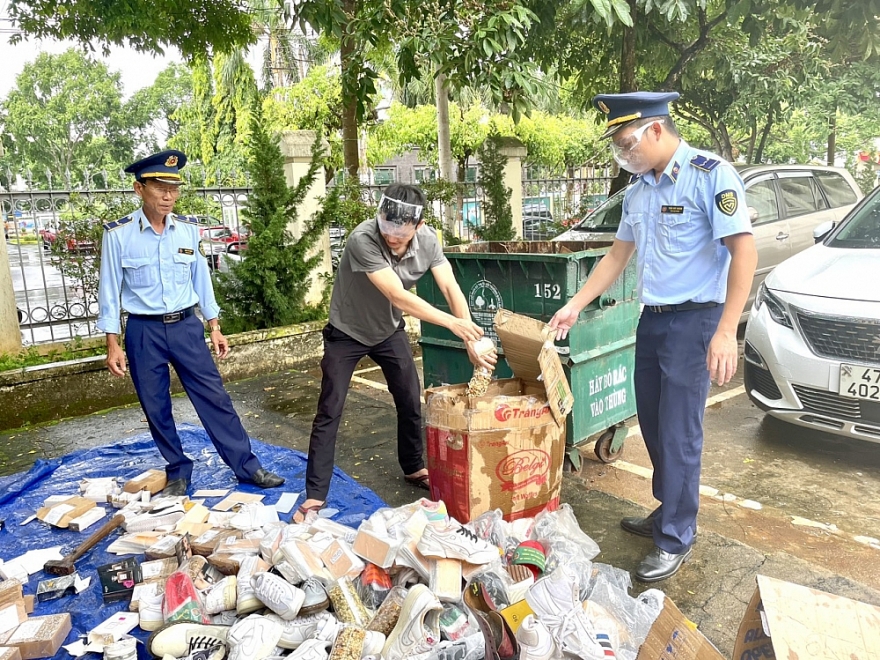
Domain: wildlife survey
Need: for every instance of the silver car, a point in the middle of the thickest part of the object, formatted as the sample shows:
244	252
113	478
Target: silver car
785	202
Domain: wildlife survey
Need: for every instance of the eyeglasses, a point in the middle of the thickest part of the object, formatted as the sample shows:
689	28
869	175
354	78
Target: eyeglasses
162	191
632	140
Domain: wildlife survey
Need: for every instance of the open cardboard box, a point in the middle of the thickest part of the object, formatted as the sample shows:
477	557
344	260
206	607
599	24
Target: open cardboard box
784	620
503	450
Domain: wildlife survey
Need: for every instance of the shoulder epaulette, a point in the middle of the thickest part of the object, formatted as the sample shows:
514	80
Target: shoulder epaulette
705	163
190	219
116	224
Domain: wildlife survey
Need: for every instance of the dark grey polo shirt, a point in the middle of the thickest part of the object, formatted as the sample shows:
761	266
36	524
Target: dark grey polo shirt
357	307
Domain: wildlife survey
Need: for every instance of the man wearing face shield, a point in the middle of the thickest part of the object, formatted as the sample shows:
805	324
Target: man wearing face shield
383	259
685	217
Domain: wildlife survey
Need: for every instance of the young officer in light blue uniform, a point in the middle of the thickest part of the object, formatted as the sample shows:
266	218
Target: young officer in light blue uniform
150	259
685	216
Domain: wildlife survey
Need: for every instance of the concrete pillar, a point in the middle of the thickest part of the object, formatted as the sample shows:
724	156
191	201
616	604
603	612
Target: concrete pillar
296	147
515	151
10	335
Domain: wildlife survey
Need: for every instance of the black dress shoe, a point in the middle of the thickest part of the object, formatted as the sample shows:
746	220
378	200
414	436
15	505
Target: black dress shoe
639	526
176	487
659	565
264	479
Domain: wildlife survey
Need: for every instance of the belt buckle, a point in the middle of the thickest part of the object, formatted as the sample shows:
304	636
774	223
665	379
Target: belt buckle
173	317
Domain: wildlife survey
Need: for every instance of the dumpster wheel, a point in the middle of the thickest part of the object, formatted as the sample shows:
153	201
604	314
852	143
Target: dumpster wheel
606	449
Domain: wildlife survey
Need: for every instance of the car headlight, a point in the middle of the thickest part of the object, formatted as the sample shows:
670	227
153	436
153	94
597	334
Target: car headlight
775	307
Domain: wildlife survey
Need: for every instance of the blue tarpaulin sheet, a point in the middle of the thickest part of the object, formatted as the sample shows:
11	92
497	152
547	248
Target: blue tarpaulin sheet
22	494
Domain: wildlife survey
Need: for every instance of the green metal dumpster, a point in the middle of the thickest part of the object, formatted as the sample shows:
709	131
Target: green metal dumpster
536	278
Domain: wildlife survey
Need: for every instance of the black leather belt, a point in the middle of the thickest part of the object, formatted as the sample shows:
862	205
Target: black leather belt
173	317
683	307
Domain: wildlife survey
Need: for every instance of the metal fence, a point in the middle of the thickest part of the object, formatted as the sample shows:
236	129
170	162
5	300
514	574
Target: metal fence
56	286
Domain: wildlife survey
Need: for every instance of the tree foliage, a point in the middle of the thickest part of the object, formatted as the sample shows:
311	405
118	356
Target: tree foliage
65	120
193	26
268	287
497	214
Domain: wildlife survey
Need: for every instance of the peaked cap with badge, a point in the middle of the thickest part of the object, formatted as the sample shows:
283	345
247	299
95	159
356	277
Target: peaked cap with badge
621	109
164	166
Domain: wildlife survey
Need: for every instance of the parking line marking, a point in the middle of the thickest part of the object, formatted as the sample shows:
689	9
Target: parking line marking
369	383
714	493
377	367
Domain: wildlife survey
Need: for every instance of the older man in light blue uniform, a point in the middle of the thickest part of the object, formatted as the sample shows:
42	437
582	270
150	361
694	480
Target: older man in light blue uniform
150	263
685	216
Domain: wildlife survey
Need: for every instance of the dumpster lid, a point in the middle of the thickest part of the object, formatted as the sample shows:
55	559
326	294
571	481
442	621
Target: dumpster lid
531	355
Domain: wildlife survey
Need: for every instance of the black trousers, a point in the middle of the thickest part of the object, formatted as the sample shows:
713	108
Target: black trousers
341	355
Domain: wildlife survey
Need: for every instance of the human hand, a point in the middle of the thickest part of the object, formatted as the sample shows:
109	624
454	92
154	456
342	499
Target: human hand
721	357
220	344
466	330
116	360
563	320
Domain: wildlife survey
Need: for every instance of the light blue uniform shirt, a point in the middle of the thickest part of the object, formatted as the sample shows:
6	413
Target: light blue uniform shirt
153	273
677	224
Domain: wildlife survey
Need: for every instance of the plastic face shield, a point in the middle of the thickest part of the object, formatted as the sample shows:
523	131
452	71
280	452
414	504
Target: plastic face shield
398	219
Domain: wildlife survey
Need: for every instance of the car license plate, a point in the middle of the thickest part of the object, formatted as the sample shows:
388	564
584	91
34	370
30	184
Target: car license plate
858	382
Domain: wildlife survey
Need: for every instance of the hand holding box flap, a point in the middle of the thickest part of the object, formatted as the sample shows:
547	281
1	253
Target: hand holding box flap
530	353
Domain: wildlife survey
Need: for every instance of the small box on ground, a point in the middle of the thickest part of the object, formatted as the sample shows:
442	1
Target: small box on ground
60	515
786	620
112	629
503	450
40	636
674	637
118	579
11	616
151	480
9	653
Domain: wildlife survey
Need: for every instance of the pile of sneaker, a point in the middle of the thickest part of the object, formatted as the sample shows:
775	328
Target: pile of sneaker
409	582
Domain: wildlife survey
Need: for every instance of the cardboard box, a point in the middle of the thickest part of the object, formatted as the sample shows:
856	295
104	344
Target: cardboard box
151	480
504	450
62	513
11	616
40	636
112	629
674	637
341	561
786	620
205	543
514	614
9	653
376	549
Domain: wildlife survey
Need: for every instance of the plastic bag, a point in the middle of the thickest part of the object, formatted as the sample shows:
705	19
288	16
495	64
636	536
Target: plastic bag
373	585
389	612
566	544
182	601
347	604
349	644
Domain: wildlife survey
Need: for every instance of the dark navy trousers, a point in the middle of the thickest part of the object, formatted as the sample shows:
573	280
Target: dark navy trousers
341	355
671	384
151	346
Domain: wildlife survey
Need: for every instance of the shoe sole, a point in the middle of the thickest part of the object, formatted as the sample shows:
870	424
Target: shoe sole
665	577
165	627
314	609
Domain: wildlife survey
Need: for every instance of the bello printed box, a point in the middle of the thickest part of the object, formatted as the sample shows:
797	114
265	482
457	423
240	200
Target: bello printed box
503	450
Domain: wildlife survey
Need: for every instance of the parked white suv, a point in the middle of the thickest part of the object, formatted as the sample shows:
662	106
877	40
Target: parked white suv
786	202
812	343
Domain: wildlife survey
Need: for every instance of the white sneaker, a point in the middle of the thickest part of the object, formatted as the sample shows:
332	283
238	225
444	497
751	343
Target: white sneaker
164	517
150	611
457	543
278	595
298	630
246	600
180	638
311	649
418	628
221	596
554	600
535	640
374	642
253	638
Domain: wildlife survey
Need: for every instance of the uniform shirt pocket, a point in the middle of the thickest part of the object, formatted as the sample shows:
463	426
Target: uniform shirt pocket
183	267
677	233
139	271
636	222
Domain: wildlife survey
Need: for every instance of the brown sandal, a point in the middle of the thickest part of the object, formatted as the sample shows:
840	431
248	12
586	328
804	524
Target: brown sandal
305	510
422	481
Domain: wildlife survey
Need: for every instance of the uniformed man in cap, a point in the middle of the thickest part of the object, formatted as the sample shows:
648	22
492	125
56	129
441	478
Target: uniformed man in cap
151	268
684	214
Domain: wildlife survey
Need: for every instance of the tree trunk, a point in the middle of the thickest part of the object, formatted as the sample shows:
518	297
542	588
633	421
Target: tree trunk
627	79
753	138
349	99
765	133
444	145
832	139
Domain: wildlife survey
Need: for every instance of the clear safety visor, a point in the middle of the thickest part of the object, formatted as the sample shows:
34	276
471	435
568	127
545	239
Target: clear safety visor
398	219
